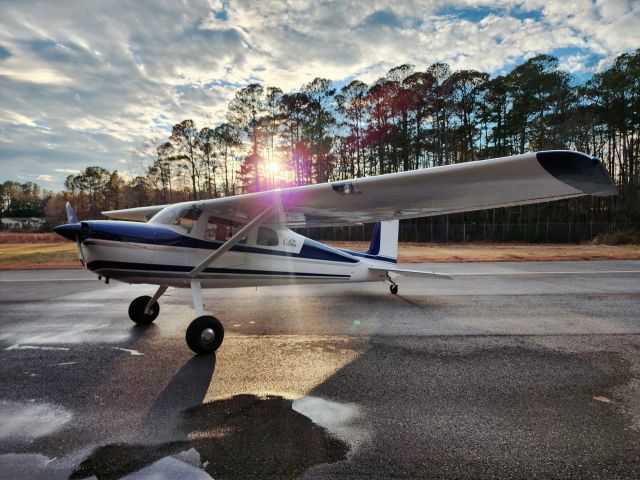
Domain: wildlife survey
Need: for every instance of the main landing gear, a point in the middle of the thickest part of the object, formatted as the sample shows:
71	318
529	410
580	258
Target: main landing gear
393	288
204	334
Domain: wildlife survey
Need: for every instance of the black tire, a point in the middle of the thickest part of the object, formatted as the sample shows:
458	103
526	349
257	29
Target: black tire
136	310
393	289
197	338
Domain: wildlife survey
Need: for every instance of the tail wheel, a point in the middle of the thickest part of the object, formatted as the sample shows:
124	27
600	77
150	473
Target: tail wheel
205	335
136	310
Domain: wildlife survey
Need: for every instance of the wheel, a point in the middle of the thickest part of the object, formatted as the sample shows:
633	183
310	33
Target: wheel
205	334
393	289
136	310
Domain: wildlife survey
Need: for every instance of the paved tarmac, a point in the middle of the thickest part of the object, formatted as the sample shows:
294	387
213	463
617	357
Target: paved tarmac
511	370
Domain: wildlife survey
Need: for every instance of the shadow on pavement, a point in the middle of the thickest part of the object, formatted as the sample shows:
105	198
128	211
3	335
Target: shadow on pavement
187	388
484	407
242	437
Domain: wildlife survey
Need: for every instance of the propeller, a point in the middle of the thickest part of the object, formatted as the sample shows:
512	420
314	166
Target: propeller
72	218
71	215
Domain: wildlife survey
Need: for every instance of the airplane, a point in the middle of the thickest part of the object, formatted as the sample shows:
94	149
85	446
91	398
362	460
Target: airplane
246	240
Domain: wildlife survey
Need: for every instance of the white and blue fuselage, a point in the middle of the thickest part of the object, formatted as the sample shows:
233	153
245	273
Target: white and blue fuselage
134	252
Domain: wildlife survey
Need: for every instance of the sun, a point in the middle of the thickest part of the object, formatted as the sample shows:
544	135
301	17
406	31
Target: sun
273	168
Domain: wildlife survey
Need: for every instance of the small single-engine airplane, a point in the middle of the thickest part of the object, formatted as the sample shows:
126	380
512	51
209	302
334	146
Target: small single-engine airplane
246	241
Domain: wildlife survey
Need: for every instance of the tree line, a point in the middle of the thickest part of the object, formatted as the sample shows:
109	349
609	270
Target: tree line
22	199
405	120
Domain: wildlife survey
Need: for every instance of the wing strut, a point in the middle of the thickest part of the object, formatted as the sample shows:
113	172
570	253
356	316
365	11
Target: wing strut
231	242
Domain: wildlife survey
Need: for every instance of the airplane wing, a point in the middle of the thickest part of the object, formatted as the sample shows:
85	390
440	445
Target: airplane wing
501	182
138	214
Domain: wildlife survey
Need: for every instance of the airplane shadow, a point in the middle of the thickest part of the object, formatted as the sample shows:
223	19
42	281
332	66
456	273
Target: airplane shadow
245	436
187	389
137	331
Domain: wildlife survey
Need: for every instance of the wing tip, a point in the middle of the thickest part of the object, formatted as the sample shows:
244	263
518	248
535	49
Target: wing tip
579	170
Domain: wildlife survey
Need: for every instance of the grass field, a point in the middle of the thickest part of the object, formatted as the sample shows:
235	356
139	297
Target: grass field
38	255
63	254
500	252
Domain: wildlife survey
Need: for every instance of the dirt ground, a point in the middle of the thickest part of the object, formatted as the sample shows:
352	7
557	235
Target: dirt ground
24	237
33	251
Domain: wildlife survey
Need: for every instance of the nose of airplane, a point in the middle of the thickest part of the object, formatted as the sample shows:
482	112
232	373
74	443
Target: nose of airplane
68	230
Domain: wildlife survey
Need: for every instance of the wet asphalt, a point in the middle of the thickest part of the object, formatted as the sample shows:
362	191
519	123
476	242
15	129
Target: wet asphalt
511	370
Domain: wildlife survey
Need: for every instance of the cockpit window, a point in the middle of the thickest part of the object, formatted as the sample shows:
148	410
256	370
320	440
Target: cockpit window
267	237
189	219
179	216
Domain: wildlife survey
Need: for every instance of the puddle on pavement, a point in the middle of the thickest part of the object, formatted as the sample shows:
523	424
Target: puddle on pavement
241	437
62	334
26	421
337	418
187	465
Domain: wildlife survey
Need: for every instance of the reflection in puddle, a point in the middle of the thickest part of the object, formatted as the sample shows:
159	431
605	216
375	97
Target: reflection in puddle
337	418
30	420
323	412
32	335
183	465
242	437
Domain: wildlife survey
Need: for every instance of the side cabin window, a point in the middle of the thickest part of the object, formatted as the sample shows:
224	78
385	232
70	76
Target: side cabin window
221	229
267	237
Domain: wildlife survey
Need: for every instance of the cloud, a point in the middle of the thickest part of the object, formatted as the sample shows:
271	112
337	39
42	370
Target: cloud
577	63
87	83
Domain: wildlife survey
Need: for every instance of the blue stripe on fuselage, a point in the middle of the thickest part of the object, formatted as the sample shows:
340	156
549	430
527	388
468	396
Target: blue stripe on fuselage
134	232
146	267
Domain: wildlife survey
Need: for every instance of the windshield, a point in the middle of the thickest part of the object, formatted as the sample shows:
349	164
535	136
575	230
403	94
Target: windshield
181	216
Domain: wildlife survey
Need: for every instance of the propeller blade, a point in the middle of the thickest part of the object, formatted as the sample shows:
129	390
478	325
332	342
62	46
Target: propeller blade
71	215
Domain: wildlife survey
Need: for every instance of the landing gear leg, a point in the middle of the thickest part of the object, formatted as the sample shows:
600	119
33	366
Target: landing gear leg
393	288
205	333
155	298
144	310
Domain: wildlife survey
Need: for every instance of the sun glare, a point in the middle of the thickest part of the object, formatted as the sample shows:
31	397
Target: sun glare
273	168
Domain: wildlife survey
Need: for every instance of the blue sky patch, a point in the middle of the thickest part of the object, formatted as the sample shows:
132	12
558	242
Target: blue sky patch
383	18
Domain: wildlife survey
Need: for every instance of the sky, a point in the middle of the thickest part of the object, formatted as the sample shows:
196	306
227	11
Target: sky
90	82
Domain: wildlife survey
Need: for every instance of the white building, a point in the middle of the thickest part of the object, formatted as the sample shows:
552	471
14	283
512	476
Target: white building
22	223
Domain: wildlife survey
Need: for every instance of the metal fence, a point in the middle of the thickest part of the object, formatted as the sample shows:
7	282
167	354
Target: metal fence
474	232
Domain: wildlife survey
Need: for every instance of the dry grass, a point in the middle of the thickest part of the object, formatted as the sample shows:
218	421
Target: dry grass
38	255
25	237
64	255
486	252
